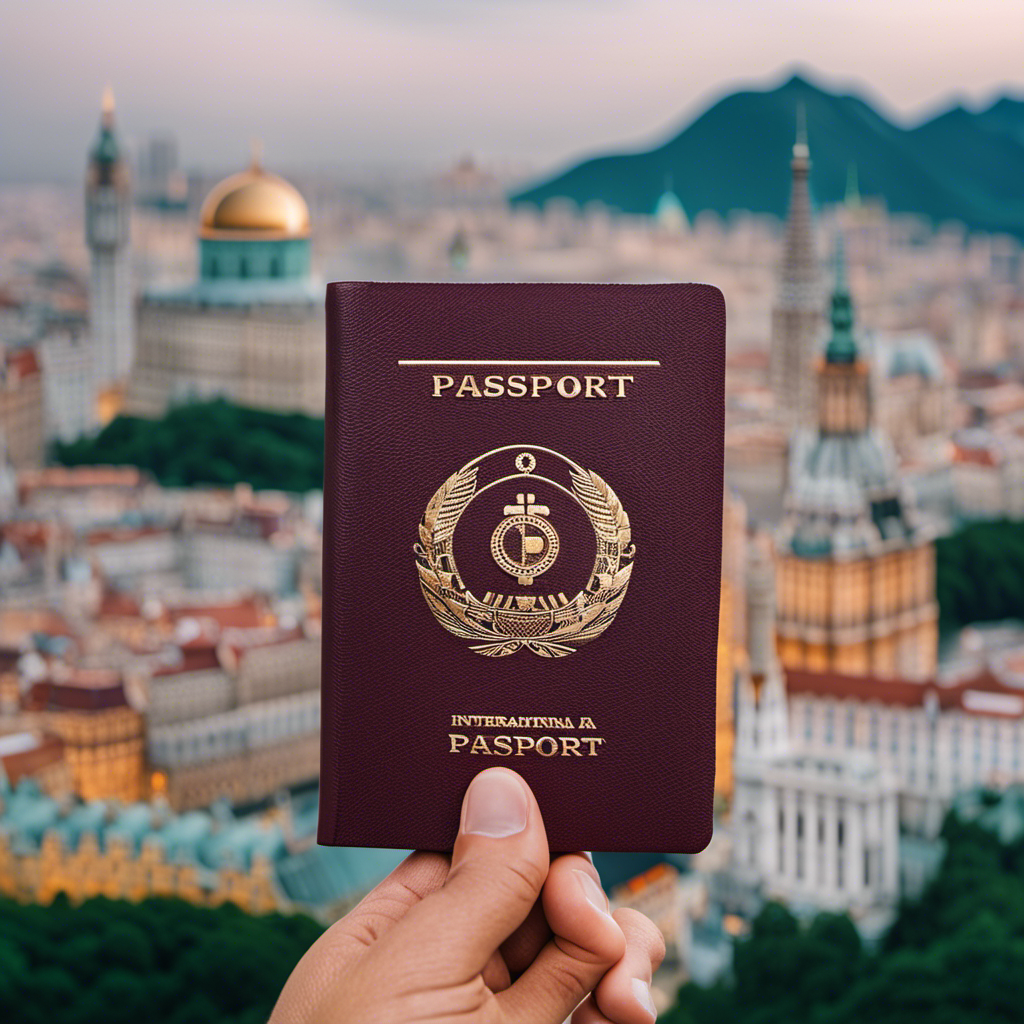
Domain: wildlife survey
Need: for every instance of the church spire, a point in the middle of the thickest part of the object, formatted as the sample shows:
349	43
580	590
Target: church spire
105	156
842	346
843	386
797	316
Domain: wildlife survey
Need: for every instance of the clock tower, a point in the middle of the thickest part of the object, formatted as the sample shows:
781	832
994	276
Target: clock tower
107	218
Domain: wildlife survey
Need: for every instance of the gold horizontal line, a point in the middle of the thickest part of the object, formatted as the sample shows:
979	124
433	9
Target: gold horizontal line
529	362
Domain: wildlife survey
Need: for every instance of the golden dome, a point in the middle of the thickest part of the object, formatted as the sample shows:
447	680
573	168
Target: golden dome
254	203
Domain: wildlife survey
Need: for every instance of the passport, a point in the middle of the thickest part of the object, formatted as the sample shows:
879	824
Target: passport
521	558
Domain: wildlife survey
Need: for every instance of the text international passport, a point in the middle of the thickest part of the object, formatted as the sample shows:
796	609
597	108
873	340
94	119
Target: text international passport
521	558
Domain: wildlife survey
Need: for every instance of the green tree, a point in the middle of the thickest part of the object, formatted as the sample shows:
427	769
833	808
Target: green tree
214	442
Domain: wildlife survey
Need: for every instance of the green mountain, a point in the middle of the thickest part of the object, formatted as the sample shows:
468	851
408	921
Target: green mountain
960	165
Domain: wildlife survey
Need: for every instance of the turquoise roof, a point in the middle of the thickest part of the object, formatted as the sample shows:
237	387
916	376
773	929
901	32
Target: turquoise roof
841	347
106	149
669	211
210	840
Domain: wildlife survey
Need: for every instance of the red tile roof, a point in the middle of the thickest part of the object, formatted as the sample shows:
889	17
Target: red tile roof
79	690
962	695
22	361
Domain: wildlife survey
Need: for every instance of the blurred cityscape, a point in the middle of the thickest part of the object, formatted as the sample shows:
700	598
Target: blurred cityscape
159	642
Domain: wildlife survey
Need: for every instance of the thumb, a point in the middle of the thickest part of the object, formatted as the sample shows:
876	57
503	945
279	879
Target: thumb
499	865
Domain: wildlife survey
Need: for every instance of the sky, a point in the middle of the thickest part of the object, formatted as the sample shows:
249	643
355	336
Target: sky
328	83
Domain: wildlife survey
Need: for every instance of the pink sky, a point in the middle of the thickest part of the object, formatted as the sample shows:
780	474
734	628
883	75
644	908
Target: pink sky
328	82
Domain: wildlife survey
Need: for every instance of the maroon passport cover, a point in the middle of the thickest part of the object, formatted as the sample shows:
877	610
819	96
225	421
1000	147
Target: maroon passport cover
521	556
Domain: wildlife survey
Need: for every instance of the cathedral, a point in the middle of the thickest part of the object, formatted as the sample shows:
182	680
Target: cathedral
250	327
856	565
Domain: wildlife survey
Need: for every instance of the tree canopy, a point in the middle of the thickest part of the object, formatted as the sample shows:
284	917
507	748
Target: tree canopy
214	443
980	574
164	961
954	955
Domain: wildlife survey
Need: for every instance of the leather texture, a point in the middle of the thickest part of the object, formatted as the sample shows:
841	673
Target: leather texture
393	676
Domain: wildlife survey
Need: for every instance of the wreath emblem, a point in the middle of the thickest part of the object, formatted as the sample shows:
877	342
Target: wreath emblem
549	626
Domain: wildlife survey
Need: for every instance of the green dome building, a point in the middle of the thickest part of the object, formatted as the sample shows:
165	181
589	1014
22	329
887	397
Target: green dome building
250	326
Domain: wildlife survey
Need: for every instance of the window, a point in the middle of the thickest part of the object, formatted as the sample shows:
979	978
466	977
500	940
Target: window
243	267
275	267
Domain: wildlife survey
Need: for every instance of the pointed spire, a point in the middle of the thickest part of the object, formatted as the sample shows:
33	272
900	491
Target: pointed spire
106	151
107	107
841	348
256	154
801	151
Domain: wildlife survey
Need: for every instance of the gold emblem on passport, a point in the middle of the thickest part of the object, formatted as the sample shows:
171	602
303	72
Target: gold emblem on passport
525	544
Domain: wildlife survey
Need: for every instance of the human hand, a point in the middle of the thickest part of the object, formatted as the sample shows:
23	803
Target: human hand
499	935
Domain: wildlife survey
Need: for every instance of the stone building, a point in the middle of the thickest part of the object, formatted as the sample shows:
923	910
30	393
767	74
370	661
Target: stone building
913	393
238	717
937	738
88	709
798	316
856	565
36	756
250	328
22	408
810	826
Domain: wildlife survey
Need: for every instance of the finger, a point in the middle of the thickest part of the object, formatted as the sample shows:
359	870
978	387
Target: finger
416	877
586	942
499	865
520	949
341	945
588	1013
495	973
624	993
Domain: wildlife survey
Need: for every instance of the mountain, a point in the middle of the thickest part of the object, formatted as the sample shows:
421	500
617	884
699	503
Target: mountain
735	156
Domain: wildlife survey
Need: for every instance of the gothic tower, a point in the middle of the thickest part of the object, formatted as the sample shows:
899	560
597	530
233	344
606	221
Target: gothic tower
798	315
107	216
856	590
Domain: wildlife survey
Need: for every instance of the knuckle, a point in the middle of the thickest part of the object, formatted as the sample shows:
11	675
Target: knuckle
565	983
641	930
360	930
529	876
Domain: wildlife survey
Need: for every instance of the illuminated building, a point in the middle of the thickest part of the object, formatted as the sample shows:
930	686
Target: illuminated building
856	568
103	739
262	863
813	826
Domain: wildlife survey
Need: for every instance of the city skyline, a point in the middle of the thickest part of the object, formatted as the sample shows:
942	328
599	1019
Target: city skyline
328	84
